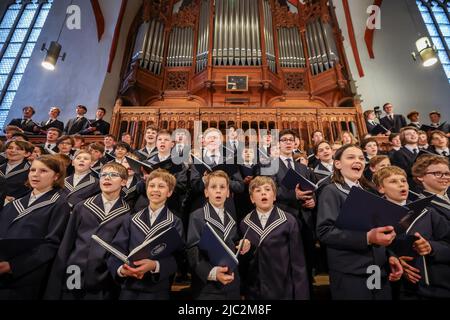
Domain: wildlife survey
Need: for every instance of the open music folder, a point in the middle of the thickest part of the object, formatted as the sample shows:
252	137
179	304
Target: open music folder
157	247
293	178
363	211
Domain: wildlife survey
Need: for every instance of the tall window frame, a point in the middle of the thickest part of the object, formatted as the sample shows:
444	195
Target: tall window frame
20	27
436	16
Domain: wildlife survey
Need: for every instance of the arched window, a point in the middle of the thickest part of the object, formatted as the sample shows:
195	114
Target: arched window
435	14
20	28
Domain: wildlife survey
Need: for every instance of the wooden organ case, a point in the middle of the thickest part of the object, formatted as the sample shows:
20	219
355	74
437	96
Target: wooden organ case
180	55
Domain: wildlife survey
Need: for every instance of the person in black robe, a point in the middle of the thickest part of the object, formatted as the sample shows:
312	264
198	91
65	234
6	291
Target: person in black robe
274	268
210	282
82	184
351	252
435	228
148	279
100	215
16	169
40	215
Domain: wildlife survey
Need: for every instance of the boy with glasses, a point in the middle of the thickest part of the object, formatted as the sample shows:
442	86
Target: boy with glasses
102	215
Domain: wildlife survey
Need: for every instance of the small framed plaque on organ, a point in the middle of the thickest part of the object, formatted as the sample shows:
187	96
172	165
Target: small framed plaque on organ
237	83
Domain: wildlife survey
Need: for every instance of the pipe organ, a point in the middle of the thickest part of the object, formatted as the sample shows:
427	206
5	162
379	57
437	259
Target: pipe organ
153	46
181	53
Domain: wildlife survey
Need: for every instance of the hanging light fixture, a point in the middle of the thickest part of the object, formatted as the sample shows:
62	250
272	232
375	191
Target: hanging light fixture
52	56
427	52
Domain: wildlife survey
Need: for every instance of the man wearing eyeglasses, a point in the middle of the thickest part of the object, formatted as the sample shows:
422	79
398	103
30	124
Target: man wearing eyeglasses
297	202
213	156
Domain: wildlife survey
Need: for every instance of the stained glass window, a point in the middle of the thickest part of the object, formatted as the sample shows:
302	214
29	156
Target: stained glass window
435	14
20	27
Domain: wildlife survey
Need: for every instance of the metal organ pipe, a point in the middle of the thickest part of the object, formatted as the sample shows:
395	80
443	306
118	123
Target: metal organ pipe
248	27
147	45
153	47
329	43
236	33
181	47
268	36
311	51
160	50
321	45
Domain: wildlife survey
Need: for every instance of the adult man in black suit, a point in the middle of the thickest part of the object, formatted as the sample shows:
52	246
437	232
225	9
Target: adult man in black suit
26	123
97	126
413	116
392	122
233	147
52	121
50	145
79	123
436	123
407	154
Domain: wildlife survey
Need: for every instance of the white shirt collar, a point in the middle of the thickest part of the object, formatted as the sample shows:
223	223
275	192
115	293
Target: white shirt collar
34	197
411	147
220	213
78	177
444	197
329	166
351	183
154	214
284	158
10	167
162	158
108	204
442	150
264	216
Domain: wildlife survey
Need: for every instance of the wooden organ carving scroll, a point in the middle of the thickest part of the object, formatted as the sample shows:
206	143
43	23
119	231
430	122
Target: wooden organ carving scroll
181	53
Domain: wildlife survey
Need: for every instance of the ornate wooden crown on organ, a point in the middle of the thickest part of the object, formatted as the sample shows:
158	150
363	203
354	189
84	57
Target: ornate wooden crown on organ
289	55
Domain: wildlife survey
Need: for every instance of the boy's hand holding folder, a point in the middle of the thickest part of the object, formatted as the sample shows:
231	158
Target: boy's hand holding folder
142	267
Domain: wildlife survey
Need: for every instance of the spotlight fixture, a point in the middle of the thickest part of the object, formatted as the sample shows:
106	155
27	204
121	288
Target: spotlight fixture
52	56
427	52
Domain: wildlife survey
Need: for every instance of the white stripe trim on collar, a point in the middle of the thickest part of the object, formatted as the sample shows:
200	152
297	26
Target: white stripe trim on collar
23	212
104	218
150	232
263	233
224	229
